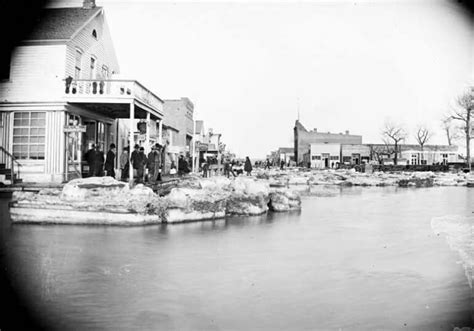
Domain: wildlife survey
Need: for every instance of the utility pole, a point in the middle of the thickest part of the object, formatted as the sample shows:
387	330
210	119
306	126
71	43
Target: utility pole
298	108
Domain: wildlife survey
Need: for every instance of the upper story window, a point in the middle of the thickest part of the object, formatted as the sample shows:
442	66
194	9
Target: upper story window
94	33
93	68
29	135
77	66
105	72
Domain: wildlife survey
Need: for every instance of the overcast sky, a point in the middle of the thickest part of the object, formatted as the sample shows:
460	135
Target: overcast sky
351	64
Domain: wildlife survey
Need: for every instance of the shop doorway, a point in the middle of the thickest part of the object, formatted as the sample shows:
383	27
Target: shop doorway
74	131
325	157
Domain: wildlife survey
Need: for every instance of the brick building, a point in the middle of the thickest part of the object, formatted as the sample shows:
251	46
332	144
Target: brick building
304	138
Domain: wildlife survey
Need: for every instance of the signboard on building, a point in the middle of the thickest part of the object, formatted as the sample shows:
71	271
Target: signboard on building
75	128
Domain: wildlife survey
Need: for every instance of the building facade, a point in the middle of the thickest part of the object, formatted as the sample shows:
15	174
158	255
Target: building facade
61	94
325	155
286	154
179	114
304	138
355	154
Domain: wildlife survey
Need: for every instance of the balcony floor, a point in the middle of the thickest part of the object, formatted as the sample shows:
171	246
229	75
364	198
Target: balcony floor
114	110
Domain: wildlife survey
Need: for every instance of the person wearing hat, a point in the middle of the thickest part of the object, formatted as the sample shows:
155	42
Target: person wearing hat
183	168
125	163
135	161
110	161
154	164
89	156
95	160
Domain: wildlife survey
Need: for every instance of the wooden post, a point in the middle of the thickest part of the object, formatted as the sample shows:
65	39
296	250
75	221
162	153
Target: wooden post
194	147
147	134
131	142
160	132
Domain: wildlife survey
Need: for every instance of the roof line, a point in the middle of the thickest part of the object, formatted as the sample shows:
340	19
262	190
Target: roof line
40	41
101	10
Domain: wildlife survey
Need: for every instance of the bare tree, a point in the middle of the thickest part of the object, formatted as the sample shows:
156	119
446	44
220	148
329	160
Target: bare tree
396	134
463	112
449	129
378	152
423	134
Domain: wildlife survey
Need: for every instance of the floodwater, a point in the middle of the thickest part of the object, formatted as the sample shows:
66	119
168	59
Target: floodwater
352	259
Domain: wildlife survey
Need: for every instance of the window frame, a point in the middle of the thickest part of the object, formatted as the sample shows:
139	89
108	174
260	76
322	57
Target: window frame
78	63
93	67
27	131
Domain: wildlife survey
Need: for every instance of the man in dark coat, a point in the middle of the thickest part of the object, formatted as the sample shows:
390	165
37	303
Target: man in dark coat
248	166
141	164
110	161
182	166
135	160
154	164
95	160
89	156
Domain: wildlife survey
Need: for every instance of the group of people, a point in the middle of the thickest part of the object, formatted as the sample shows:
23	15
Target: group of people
269	164
95	160
140	162
230	167
153	162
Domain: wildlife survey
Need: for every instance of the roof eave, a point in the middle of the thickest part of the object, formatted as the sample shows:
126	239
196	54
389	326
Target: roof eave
45	42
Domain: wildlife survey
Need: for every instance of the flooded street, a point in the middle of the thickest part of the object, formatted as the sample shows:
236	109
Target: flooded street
352	259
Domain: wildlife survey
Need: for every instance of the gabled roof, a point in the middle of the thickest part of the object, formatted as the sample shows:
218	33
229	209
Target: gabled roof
62	23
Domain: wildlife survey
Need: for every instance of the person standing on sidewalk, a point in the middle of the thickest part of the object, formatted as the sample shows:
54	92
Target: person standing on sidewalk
124	164
110	161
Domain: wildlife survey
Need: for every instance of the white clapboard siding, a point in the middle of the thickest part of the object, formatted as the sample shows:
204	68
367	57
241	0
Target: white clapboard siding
101	48
5	137
36	74
55	145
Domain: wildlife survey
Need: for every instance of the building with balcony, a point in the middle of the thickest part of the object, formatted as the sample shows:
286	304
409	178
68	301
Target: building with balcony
60	94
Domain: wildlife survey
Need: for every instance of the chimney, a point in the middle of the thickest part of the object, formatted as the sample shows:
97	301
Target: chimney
88	4
347	131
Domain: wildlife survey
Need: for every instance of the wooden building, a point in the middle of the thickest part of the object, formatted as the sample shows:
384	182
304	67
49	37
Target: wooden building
61	94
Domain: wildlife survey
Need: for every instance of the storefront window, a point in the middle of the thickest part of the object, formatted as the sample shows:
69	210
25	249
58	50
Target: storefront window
101	136
29	135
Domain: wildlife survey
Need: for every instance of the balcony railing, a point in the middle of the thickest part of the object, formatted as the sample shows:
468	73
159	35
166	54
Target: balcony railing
111	88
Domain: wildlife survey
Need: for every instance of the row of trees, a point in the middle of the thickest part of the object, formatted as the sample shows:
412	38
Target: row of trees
456	124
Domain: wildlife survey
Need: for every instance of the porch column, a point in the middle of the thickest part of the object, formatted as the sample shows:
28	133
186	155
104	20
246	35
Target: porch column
194	146
160	132
147	134
130	141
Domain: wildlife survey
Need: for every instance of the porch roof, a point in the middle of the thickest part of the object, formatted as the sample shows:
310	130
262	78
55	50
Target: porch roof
116	110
